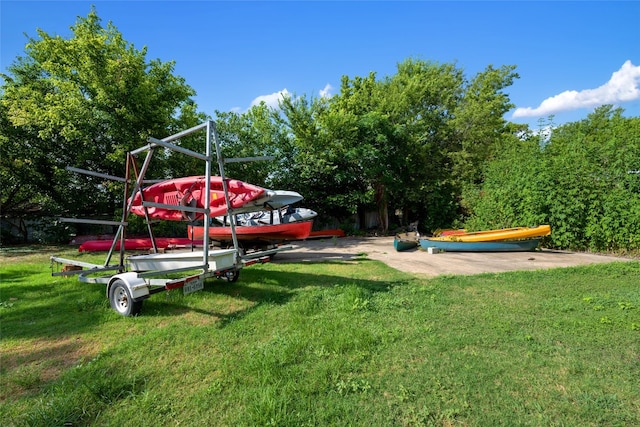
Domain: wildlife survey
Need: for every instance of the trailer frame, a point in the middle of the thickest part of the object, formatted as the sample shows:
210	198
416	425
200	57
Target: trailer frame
127	289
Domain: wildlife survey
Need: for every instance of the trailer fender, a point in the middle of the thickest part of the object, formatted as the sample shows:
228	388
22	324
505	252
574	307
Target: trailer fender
138	287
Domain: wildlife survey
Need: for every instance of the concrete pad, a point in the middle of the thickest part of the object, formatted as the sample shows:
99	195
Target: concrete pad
419	261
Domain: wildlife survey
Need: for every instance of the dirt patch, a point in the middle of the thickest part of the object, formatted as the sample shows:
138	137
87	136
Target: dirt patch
39	361
419	261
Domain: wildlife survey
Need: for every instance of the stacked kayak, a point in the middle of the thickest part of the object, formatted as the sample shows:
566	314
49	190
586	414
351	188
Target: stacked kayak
297	230
190	191
516	239
139	244
285	215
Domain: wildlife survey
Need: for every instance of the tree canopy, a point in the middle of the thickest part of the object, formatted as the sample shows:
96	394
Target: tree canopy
82	102
584	181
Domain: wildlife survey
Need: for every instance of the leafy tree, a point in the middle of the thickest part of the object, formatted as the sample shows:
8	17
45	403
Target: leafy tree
393	144
420	99
593	199
255	133
578	181
318	143
18	195
84	102
368	141
347	150
513	193
478	127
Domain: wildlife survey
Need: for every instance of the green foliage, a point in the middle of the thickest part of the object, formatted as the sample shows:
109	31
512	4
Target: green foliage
478	125
83	102
593	198
257	132
324	158
389	144
513	191
579	182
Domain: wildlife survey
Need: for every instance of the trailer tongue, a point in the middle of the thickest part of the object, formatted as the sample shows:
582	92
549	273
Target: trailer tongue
137	277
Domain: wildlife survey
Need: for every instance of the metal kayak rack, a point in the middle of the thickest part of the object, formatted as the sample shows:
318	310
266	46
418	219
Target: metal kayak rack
134	278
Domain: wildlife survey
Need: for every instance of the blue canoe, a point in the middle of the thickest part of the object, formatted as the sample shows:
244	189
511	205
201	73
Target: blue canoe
494	246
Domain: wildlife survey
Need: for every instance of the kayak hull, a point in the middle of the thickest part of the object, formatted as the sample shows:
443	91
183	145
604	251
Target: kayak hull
406	241
517	233
138	244
217	260
298	230
190	191
494	246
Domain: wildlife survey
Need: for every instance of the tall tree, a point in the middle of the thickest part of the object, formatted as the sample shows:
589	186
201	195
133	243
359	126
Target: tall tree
398	144
479	126
421	99
319	139
83	101
254	133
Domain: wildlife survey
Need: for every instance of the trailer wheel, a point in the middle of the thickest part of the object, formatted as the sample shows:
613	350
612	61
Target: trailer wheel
232	275
121	301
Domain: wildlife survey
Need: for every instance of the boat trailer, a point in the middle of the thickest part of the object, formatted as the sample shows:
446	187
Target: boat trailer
136	277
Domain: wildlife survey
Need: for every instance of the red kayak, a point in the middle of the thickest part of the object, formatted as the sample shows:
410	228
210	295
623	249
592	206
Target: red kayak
297	230
190	191
139	244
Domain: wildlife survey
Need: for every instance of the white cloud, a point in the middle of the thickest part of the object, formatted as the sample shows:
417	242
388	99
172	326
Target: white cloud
326	92
623	86
272	99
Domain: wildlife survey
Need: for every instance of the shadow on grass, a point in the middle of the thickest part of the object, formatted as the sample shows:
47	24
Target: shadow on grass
311	257
258	287
63	307
21	250
46	312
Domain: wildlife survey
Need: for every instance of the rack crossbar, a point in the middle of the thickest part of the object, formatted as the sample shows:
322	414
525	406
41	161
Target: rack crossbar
175	207
74	262
248	159
96	174
170	146
92	221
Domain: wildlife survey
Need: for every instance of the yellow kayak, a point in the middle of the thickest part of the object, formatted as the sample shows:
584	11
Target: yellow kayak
495	235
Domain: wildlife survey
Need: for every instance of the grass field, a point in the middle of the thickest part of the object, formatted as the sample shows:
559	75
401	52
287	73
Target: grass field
324	344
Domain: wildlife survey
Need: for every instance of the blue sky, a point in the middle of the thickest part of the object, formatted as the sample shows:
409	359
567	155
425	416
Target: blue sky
571	56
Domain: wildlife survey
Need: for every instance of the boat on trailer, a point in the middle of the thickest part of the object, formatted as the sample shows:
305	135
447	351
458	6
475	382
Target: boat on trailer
298	230
258	237
284	215
135	278
170	195
140	244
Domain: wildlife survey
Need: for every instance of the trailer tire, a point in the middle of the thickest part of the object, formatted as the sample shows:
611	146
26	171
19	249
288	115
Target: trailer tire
121	300
232	275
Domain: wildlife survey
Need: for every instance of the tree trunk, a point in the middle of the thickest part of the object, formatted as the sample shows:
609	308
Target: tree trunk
381	204
22	228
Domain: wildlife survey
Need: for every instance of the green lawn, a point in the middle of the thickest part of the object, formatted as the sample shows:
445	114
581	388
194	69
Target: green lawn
328	344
